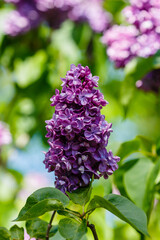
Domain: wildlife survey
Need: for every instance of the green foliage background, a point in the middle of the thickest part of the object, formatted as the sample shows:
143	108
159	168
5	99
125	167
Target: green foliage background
30	69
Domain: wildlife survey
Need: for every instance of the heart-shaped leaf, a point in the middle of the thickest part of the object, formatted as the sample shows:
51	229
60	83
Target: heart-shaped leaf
72	229
17	233
37	228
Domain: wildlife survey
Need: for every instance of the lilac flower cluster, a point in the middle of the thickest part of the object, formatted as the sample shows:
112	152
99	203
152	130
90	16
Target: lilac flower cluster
30	13
5	135
141	38
78	133
150	82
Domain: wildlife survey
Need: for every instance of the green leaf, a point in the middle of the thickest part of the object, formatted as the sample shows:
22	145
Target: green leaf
30	70
150	187
81	196
69	213
71	229
17	175
4	234
17	233
146	144
39	209
156	62
135	181
37	228
139	67
127	92
122	208
157	187
127	148
158	147
119	175
42	201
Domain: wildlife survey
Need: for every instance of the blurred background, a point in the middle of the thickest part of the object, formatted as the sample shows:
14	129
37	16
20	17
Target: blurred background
38	42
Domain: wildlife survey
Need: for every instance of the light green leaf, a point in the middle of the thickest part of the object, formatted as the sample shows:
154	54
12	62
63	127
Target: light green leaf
135	180
119	175
122	208
145	143
37	228
71	229
17	233
4	234
41	201
81	196
30	70
150	187
127	148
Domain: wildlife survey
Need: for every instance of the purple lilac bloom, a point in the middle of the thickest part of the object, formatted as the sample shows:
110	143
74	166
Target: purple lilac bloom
29	14
150	82
144	16
5	135
120	41
92	12
23	19
78	133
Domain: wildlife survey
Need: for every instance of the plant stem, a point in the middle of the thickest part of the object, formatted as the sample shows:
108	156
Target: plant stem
142	237
92	227
50	225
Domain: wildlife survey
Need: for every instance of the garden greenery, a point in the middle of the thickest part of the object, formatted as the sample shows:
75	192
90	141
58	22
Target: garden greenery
113	50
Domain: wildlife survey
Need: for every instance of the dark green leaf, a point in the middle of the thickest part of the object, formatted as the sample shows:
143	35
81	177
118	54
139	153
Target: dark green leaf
122	208
127	148
141	66
82	195
71	229
156	62
41	201
158	147
39	209
68	213
82	230
37	228
157	187
4	234
17	233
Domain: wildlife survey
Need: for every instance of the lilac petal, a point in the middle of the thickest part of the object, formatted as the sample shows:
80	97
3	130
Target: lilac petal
86	178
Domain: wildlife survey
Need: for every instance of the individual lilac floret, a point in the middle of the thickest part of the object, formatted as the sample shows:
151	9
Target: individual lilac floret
29	14
120	40
5	135
78	133
151	82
